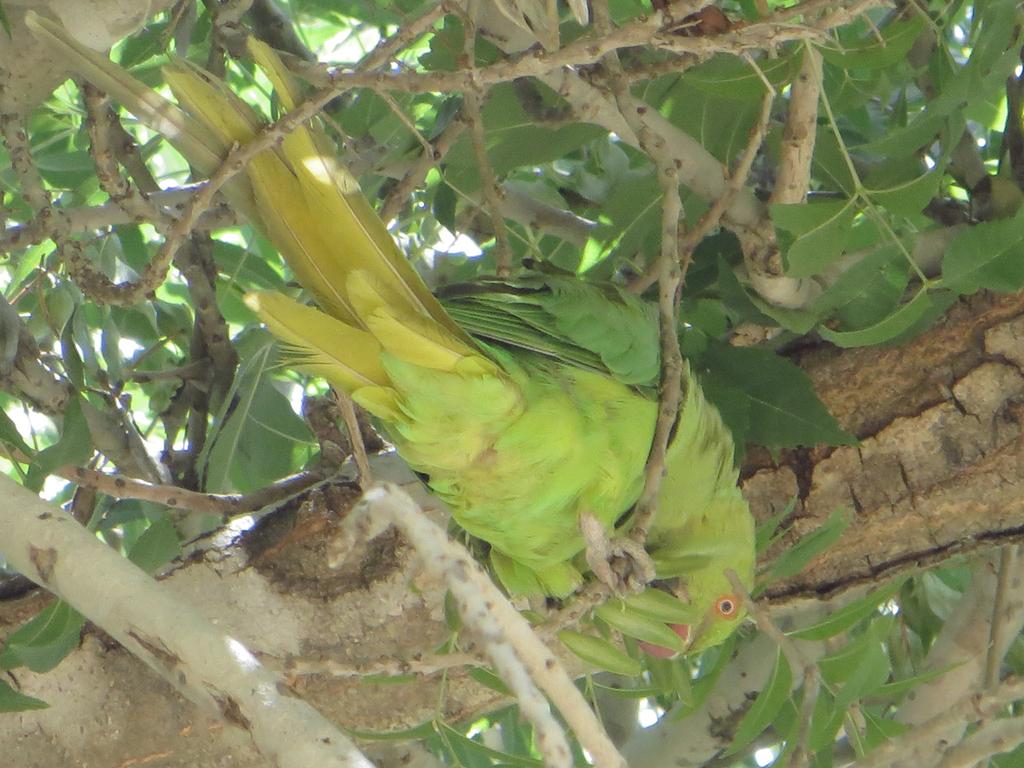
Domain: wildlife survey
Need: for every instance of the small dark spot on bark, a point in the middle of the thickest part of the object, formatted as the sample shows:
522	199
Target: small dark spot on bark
641	110
172	501
119	482
549	663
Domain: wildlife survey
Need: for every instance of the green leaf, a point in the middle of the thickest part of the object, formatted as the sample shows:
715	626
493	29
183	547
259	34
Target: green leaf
873	50
768	532
10	435
660	606
782	407
262	435
736	297
868	291
987	255
73	447
766	706
818	233
514	139
467	750
912	317
490	680
849	615
793	560
639	627
825	721
600	653
730	77
157	546
44	640
444	206
15	701
861	666
69	354
898	688
907	198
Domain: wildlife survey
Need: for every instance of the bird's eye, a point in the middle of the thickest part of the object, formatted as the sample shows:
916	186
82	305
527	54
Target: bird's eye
727	606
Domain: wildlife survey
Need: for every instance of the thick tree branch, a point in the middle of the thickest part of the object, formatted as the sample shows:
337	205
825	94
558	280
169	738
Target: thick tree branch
209	666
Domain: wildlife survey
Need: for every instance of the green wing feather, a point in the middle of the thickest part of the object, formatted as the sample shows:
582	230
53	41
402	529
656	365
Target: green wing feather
596	326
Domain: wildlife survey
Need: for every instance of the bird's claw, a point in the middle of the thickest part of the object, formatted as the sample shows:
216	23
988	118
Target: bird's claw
622	564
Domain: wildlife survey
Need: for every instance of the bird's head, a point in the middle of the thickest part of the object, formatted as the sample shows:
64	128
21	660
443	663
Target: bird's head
716	605
698	558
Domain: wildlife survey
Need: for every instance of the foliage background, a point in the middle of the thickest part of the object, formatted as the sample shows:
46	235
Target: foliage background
864	209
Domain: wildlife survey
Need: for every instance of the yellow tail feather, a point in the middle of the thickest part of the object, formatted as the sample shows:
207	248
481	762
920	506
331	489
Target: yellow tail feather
347	357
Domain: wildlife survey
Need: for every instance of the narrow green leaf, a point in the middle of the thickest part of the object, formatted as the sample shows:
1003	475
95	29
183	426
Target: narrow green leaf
793	560
660	606
896	689
9	434
767	531
849	615
766	706
825	721
476	749
640	627
73	447
878	729
868	291
42	642
15	701
600	653
490	680
72	360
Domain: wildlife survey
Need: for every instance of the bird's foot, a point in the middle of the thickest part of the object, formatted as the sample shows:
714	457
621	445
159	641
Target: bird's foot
622	564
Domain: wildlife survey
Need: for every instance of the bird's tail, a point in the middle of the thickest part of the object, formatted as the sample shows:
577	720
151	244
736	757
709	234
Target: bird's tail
311	208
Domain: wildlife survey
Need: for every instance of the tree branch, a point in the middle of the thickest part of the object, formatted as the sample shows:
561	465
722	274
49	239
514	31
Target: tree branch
207	665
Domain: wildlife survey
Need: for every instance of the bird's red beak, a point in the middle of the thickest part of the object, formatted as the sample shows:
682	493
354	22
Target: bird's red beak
660	651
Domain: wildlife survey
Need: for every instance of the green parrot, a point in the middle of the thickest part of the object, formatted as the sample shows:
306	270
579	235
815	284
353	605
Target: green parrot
527	404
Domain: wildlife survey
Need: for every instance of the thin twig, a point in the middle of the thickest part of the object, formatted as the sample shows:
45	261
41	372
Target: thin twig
387	667
227	505
15	138
507	638
670	391
1009	567
388	48
355	436
90	218
589	49
413	178
712	217
489	189
101	121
